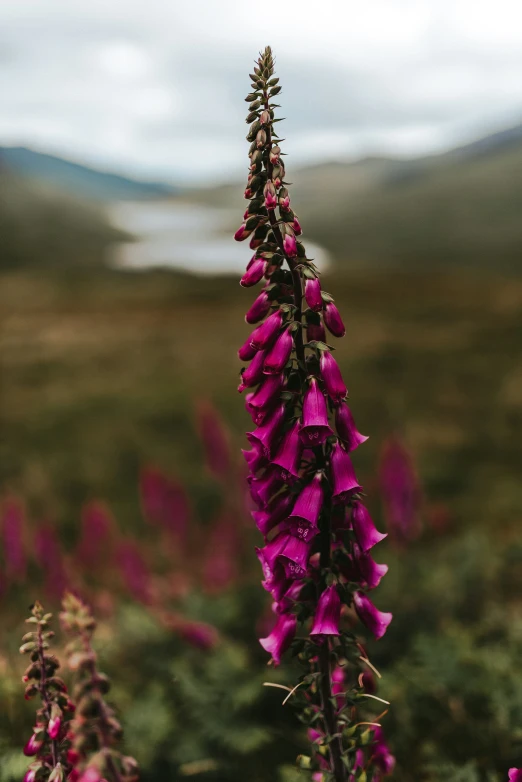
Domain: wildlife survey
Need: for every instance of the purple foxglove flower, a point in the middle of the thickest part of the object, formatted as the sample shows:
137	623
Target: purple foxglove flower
302	522
266	434
328	613
255	458
246	352
297	227
313	294
275	580
199	634
333	320
97	524
215	439
284	203
288	600
257	415
253	374
242	233
365	530
381	755
134	571
315	427
276	511
53	729
279	353
267	393
346	428
262	489
400	492
30	775
376	621
291	552
280	638
265	334
254	273
32	747
315	332
290	245
332	378
270	195
343	475
259	308
370	571
289	453
515	775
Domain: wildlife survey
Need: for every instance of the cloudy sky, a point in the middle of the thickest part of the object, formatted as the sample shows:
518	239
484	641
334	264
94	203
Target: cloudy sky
155	87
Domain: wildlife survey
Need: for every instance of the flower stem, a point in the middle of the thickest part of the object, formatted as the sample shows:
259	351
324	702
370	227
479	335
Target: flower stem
44	694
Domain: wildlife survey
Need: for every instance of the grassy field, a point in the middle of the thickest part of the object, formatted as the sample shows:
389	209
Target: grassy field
100	373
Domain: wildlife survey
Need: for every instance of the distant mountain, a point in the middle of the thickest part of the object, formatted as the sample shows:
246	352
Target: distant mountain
462	207
78	180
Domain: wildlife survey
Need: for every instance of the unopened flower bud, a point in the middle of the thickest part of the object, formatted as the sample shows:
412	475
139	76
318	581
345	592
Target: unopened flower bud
313	294
32	747
297	227
270	195
274	155
289	243
261	139
242	233
264	118
253	274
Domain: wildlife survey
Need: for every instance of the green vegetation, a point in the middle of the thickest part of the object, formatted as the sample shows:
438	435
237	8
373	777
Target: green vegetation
100	372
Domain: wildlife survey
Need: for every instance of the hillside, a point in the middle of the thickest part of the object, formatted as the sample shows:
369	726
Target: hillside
81	181
461	207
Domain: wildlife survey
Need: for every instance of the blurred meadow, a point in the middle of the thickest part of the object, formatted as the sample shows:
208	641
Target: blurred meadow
120	434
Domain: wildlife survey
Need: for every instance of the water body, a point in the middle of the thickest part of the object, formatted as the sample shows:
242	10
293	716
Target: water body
184	236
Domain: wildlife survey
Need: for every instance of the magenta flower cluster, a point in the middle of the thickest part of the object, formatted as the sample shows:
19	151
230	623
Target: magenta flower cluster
316	559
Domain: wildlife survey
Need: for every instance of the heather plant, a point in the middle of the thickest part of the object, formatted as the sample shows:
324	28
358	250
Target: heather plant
318	534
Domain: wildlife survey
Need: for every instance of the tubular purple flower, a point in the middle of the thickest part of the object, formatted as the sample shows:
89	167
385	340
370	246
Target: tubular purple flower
290	551
267	432
279	354
289	243
32	747
241	233
30	775
315	427
328	614
365	530
262	489
253	374
280	638
297	227
277	510
332	378
289	453
376	621
259	308
246	352
264	335
53	729
313	294
253	273
333	320
255	458
515	775
381	754
267	393
344	480
302	522
370	571
346	428
288	600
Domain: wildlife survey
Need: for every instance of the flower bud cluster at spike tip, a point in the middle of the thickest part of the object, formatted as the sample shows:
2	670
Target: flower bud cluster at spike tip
317	533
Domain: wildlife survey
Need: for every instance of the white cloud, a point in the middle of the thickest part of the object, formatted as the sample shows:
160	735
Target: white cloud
156	88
